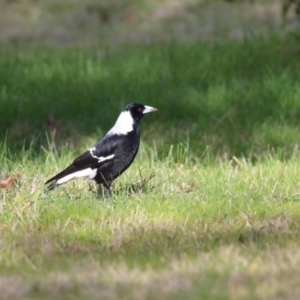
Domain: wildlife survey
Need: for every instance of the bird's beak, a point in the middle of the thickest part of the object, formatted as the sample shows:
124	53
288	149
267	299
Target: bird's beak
148	109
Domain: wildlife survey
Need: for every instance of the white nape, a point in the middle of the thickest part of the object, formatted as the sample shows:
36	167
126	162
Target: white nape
123	125
101	158
90	173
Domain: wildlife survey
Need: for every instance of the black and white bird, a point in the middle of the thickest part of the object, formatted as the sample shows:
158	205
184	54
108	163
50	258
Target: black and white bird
112	154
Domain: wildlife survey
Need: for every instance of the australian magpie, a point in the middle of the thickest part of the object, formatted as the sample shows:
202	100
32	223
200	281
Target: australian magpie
112	154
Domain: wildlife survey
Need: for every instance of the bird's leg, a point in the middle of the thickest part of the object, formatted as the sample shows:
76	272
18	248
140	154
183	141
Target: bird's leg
100	191
104	191
108	193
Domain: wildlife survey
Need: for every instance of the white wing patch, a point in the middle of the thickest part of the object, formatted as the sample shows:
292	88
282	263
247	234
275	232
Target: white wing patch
123	125
90	173
101	158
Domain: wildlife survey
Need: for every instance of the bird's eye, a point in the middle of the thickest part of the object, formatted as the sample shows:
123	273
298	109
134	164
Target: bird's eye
140	109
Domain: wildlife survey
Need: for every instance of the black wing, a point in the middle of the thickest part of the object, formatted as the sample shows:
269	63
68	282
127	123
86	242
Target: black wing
93	158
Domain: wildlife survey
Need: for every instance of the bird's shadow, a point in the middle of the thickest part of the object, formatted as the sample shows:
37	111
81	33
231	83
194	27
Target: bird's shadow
141	186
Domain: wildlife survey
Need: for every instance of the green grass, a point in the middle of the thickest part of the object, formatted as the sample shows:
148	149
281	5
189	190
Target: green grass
220	217
224	230
238	98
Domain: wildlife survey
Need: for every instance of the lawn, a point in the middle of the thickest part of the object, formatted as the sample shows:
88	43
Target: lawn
225	230
209	209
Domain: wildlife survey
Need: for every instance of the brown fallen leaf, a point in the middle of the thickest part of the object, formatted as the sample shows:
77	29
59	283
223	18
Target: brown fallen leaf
105	17
9	182
186	186
130	17
52	124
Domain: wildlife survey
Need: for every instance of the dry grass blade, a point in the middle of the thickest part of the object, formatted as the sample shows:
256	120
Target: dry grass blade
141	184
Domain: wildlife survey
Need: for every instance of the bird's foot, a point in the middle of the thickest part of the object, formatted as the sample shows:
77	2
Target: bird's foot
104	193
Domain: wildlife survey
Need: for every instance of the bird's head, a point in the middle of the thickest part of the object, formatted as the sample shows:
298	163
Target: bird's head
138	110
129	118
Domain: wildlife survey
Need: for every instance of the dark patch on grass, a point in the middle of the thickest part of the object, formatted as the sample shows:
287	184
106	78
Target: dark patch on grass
227	95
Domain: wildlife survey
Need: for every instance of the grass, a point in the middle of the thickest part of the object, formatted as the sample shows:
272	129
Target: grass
113	23
204	93
227	230
218	216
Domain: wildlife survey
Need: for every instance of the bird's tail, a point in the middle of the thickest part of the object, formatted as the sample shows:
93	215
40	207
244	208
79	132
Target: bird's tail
55	180
51	186
68	174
